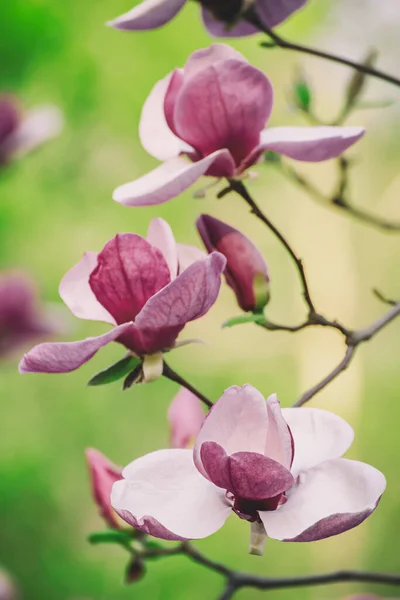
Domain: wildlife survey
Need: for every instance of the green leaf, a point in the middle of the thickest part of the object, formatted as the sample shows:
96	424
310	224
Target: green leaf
271	157
250	318
113	536
115	371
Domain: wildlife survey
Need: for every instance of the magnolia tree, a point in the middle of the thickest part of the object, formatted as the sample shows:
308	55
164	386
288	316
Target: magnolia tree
282	470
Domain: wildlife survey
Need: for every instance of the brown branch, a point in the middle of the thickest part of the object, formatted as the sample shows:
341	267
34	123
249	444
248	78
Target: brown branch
279	41
173	376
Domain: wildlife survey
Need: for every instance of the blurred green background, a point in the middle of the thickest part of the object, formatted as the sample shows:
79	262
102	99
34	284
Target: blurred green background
56	203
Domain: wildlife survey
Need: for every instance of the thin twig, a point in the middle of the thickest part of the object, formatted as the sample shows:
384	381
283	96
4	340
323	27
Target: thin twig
173	376
287	45
238	187
236	580
353	340
342	366
336	201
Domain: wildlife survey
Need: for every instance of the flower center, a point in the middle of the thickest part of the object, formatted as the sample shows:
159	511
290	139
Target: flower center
248	509
224	10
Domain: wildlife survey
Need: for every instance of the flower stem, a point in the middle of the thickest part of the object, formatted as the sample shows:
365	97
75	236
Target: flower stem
173	376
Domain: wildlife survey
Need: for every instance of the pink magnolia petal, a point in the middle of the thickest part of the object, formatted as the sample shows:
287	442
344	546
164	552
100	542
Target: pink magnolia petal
207	57
156	136
164	488
318	435
185	418
150	14
129	271
174	86
271	12
221	29
39	125
312	144
63	357
188	297
103	474
77	294
224	105
187	255
328	499
165	182
279	444
237	422
247	475
159	235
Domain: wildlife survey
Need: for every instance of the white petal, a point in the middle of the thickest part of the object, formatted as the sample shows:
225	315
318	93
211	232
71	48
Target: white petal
77	294
165	182
166	486
329	499
150	14
159	235
318	435
38	126
238	422
156	137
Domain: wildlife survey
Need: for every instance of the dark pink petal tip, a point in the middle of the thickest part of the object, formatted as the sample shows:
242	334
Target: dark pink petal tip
149	525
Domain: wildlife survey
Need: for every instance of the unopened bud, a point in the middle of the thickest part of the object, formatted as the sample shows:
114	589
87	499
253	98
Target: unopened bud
246	271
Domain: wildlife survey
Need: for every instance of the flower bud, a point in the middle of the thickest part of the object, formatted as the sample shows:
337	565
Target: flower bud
103	474
246	272
185	418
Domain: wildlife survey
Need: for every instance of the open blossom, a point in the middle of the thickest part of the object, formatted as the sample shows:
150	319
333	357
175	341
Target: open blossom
139	286
20	133
221	17
185	418
278	469
103	474
245	272
22	318
209	119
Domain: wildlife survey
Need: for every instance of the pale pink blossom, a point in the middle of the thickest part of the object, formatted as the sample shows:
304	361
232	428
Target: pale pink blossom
22	132
209	119
281	470
103	474
220	16
136	285
246	271
185	418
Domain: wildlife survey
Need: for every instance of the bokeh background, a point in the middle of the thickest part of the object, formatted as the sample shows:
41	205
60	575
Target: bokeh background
56	203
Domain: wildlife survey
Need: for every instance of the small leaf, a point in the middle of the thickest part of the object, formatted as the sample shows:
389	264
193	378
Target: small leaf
271	157
115	371
113	536
250	318
356	83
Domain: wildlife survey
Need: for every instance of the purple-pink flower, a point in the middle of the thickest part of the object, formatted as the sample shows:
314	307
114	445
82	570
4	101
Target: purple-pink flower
245	272
22	318
185	418
20	133
278	469
103	474
222	18
142	288
209	119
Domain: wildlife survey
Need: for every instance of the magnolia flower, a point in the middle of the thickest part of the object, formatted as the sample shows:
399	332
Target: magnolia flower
185	418
209	119
139	286
221	17
245	272
278	469
22	319
19	134
103	474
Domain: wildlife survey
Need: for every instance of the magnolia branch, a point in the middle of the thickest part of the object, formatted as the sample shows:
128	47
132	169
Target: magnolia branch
338	198
278	41
353	338
173	376
236	580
